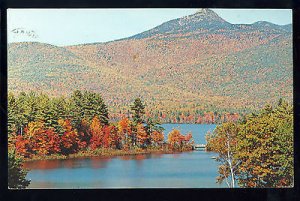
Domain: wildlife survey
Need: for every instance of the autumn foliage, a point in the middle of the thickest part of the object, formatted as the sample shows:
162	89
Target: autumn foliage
157	138
42	141
178	141
75	126
41	125
258	151
37	140
96	133
70	141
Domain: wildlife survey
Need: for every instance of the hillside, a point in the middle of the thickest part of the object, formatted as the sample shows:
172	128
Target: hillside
195	63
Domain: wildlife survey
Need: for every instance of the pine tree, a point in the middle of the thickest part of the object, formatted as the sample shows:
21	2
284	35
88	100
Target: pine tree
138	110
12	110
86	105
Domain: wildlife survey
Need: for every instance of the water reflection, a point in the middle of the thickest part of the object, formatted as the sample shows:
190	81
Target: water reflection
140	156
156	155
102	163
125	157
190	170
176	155
43	164
181	170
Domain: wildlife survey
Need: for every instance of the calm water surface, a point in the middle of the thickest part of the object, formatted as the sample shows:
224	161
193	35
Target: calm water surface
197	130
184	170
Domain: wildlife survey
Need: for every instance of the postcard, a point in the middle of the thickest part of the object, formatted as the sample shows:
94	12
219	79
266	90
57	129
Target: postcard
150	98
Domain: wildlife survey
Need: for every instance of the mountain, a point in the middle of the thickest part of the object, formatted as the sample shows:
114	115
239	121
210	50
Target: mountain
204	19
197	63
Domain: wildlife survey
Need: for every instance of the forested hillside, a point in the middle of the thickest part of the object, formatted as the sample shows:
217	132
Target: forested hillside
183	69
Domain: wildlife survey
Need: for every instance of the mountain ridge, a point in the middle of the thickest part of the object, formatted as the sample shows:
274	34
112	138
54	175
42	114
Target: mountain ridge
205	19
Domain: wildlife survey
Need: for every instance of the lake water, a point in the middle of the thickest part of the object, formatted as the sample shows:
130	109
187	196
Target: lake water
193	169
198	130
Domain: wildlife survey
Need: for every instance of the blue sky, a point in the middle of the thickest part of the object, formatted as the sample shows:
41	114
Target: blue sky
76	26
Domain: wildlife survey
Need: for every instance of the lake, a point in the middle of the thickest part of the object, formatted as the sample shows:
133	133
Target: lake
193	169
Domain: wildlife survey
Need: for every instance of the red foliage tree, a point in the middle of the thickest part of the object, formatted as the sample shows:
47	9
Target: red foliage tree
22	146
107	138
37	140
84	134
70	141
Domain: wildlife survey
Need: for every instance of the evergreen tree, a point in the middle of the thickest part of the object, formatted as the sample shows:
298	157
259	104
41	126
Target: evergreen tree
58	109
93	105
152	126
31	107
16	175
43	109
138	110
86	105
23	111
12	114
76	111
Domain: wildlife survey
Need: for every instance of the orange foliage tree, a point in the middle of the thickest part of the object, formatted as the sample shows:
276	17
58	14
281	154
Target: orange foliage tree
174	139
178	141
157	138
96	133
125	131
141	135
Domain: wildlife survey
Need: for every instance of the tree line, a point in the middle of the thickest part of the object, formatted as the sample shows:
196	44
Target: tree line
187	117
258	150
40	125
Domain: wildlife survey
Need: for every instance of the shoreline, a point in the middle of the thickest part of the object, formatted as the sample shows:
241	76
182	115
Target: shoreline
102	152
